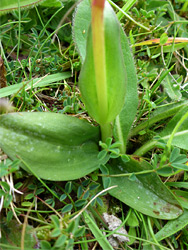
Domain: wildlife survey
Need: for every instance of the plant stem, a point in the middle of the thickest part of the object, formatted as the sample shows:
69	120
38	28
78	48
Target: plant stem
146	147
98	39
106	131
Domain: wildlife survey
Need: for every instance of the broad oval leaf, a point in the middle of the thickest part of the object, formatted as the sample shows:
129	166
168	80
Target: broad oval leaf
103	88
10	5
146	193
53	146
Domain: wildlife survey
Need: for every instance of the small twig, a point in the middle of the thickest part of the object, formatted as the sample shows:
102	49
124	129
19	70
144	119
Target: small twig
83	209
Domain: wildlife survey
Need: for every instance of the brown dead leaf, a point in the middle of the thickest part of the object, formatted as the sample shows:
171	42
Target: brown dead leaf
3	81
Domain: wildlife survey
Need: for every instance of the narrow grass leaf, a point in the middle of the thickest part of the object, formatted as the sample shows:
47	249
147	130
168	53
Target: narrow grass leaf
37	82
99	236
178	184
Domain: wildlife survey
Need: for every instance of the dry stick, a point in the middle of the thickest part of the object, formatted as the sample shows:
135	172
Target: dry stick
82	210
53	209
176	54
24	227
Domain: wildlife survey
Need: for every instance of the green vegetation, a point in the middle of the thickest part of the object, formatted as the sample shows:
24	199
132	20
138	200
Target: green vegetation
93	124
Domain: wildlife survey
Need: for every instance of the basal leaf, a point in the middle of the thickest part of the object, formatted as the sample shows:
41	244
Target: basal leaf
173	226
54	146
147	193
100	85
9	5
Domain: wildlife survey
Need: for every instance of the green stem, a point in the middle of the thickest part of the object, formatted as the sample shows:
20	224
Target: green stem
146	147
129	174
106	131
98	39
158	117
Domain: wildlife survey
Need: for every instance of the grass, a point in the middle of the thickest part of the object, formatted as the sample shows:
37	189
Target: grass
42	67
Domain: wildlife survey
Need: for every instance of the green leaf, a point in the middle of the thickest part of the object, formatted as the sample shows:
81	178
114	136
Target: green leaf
45	245
55	220
106	182
124	121
29	196
147	193
132	220
180	166
173	226
56	232
80	203
99	84
9	5
37	82
26	204
52	146
5	185
60	241
71	227
68	187
174	154
63	197
173	90
67	208
178	184
163	39
131	232
79	232
99	236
